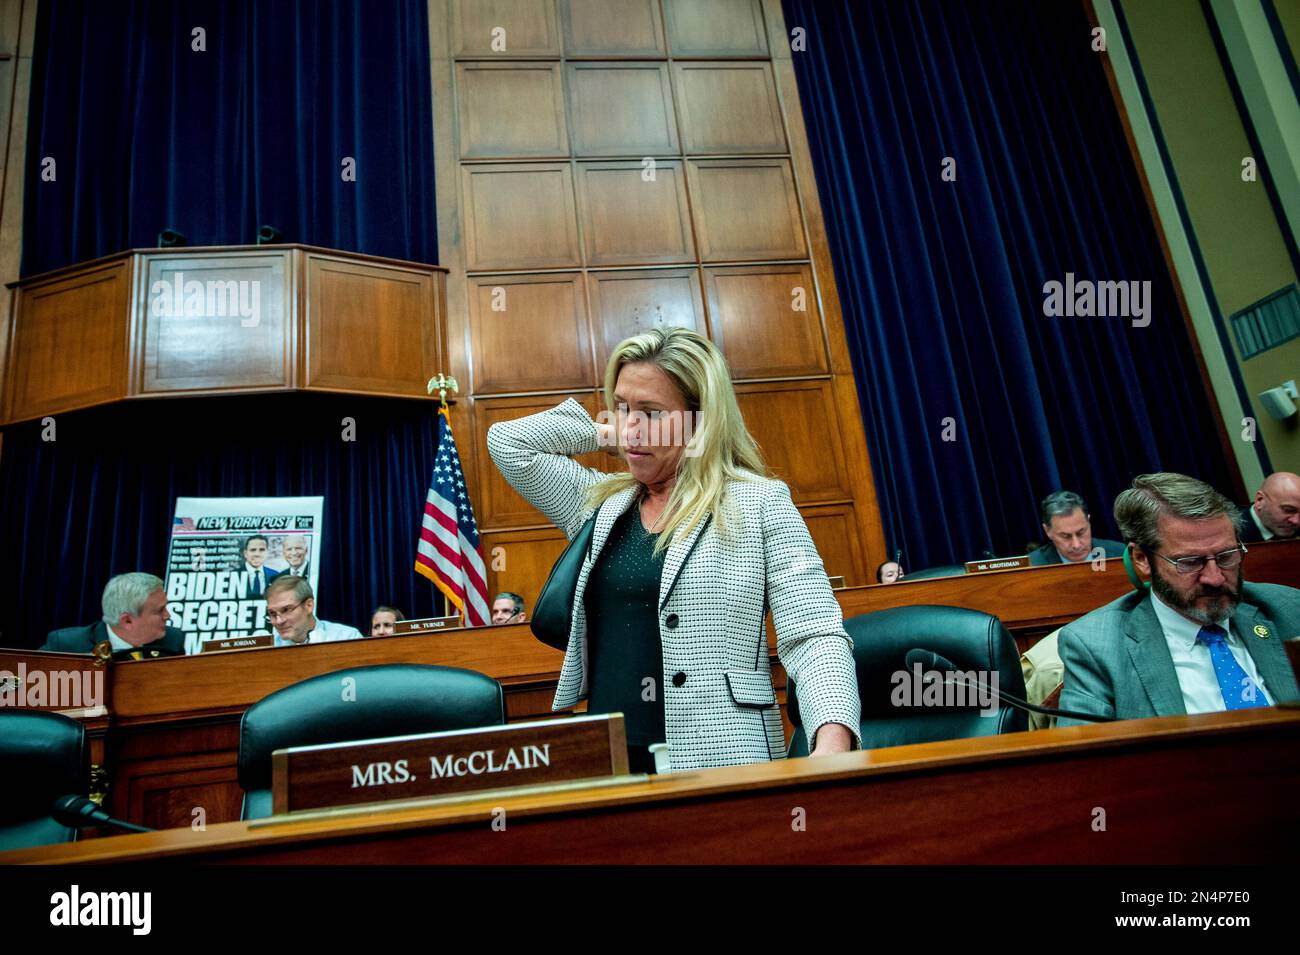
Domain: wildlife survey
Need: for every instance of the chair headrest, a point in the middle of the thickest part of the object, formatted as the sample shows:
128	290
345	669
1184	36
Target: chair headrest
364	703
42	756
971	639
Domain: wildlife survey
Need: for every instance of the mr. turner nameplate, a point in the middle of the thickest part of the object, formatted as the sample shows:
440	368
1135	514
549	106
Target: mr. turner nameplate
440	764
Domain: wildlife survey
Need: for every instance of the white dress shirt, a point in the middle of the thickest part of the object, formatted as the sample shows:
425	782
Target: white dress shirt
254	573
325	632
116	642
1268	535
1192	662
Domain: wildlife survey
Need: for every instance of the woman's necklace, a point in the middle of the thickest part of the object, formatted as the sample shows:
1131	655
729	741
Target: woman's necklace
654	524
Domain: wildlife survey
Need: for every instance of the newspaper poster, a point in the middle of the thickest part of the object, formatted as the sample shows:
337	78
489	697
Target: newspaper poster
225	550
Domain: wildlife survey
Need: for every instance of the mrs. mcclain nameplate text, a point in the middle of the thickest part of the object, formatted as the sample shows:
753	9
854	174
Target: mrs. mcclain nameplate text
440	764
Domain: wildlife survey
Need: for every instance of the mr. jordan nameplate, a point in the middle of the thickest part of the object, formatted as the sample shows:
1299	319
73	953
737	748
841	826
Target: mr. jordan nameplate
439	764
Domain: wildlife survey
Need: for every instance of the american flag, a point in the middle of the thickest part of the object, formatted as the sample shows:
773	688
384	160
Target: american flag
183	524
449	553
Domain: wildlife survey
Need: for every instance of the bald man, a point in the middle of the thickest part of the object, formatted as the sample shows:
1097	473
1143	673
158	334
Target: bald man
1275	512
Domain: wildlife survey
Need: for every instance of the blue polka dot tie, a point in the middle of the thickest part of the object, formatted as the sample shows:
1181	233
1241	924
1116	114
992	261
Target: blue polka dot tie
1239	691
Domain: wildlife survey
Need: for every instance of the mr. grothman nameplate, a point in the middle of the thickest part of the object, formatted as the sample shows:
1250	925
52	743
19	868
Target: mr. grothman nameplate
439	764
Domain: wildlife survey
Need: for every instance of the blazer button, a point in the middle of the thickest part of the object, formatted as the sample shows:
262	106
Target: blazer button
671	623
679	678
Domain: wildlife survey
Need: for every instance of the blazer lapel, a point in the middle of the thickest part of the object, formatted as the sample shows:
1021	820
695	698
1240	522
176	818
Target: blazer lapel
675	560
1149	653
610	512
1264	645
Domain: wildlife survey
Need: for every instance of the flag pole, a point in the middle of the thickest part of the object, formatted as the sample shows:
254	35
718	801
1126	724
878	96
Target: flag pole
441	383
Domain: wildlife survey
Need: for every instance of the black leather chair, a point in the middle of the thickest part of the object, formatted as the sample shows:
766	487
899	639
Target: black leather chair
390	700
951	570
972	640
42	756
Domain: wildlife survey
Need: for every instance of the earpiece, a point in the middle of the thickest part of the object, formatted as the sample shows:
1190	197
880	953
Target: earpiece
1138	583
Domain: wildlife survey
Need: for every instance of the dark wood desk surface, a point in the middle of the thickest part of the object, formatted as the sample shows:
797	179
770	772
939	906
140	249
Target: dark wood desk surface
1131	792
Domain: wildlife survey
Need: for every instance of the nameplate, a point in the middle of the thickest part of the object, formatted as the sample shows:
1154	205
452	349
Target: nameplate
440	764
406	627
998	563
837	583
238	643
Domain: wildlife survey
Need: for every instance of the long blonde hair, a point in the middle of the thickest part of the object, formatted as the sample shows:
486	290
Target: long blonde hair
721	448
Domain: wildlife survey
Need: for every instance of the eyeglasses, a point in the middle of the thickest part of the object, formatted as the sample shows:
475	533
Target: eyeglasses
1226	560
273	615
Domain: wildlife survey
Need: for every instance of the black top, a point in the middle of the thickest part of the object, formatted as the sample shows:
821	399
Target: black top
623	649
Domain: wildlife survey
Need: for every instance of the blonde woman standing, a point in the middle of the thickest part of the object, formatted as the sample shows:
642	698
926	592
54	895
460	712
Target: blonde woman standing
692	544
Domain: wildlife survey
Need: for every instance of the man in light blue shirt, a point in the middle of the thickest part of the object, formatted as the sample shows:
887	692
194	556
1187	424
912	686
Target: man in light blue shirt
1200	639
291	611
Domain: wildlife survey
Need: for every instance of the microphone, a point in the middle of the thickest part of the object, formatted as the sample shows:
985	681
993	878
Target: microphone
929	660
77	812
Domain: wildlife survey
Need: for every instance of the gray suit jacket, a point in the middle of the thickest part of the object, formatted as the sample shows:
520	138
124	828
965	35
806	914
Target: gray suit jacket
1046	554
1117	662
720	709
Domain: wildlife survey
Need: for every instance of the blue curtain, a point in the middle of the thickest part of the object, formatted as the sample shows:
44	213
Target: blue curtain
132	130
140	131
942	282
98	500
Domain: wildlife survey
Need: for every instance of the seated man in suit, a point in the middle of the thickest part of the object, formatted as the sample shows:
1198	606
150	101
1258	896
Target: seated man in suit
253	562
134	623
1199	639
507	607
291	610
1275	512
1069	532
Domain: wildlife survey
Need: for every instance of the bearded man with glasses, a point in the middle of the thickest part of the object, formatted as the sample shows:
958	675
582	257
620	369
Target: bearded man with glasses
1197	638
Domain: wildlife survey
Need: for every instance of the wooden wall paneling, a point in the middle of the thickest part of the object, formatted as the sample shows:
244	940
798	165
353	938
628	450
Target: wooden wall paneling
854	444
834	530
729	108
612	28
634	216
519	216
520	561
622	109
498	506
511	110
204	342
68	348
765	320
715	28
626	303
394	311
504	28
530	333
451	245
796	426
745	209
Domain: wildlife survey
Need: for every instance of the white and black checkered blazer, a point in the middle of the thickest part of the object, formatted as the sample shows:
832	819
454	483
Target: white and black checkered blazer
719	705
